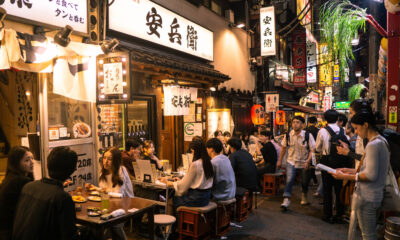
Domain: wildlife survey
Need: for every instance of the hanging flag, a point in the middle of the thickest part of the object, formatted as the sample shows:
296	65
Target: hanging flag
299	58
176	101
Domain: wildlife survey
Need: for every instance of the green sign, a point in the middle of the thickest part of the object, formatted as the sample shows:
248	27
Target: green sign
342	105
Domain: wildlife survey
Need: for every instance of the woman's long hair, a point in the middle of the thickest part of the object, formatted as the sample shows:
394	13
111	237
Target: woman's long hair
365	116
115	165
200	152
15	156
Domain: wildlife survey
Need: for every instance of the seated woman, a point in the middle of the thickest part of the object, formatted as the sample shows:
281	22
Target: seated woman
148	154
115	178
194	190
18	173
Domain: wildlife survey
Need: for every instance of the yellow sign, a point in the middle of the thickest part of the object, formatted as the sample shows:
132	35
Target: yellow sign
392	114
336	73
305	16
325	65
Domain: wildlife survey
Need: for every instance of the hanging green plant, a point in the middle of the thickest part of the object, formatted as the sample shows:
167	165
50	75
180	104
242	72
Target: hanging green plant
355	91
340	23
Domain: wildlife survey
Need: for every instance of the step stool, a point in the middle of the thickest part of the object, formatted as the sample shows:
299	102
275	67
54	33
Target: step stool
242	206
164	222
271	183
225	210
196	222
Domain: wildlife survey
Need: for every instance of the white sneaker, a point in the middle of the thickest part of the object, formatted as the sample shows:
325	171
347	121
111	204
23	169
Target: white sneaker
285	204
304	200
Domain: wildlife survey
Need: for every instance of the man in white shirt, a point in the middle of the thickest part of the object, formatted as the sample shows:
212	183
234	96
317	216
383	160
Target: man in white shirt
328	137
300	145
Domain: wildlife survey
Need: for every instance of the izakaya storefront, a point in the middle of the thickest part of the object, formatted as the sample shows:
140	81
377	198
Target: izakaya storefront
47	87
170	75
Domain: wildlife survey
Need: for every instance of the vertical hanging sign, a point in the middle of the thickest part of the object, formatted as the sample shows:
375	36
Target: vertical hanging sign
299	58
336	73
311	49
325	66
267	30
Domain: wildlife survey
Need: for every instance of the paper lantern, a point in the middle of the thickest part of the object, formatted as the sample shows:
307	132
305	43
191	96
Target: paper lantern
280	118
257	114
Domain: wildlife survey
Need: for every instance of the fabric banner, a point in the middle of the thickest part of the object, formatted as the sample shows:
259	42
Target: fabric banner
176	101
299	58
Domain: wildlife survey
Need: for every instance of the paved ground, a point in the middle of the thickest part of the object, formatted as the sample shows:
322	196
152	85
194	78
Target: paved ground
268	222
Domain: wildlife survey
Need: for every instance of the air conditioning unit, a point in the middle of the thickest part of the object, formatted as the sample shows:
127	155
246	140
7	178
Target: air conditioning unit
230	16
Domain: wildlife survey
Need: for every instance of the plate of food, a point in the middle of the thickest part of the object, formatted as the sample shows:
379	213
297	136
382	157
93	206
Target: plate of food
78	199
81	130
94	198
94	193
93	213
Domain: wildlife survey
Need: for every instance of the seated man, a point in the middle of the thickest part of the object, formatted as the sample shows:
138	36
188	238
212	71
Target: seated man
131	153
45	210
224	186
243	165
268	151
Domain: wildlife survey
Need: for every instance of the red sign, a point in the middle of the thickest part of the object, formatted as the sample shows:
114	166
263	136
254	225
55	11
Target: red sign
257	114
313	97
299	58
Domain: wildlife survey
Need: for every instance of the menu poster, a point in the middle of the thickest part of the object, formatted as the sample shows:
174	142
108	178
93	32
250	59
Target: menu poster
113	78
192	112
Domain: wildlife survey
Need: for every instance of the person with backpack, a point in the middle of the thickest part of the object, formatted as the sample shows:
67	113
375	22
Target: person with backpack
369	177
327	140
300	146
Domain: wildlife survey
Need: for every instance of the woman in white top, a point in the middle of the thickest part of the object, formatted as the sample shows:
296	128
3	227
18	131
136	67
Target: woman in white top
194	190
115	178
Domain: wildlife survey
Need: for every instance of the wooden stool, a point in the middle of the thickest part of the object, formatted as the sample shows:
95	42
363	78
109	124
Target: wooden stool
242	206
225	210
271	183
196	222
165	222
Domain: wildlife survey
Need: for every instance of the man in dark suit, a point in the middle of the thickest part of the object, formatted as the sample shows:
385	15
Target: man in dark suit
243	165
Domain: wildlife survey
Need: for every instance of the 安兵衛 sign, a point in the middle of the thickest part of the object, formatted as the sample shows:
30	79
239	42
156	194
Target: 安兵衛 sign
267	29
149	21
50	12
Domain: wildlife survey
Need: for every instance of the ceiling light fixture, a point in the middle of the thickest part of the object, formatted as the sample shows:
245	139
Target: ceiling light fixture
213	89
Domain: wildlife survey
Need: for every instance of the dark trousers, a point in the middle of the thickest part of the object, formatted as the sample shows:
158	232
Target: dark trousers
330	184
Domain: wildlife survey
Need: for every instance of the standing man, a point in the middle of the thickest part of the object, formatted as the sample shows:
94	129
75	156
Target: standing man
45	210
224	186
327	139
312	128
300	145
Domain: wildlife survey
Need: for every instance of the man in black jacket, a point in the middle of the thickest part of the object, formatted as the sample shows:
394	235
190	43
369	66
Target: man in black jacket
243	165
45	210
268	151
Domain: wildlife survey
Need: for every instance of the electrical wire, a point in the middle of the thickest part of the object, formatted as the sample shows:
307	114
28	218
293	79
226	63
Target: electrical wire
305	7
295	26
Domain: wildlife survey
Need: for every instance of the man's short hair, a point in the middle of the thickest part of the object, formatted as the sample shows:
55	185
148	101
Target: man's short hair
61	163
312	120
215	144
216	133
331	116
235	143
342	118
300	118
132	143
227	134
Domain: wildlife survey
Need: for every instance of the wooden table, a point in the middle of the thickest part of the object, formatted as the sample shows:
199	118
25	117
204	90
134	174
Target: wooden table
98	226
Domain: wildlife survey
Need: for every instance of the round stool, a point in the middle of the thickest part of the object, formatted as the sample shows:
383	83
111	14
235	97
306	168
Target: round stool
165	222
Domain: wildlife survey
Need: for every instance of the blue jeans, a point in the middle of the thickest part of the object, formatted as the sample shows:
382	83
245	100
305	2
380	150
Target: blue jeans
366	215
193	198
290	177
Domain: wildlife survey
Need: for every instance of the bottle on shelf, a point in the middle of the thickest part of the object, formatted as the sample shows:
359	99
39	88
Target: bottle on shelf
136	134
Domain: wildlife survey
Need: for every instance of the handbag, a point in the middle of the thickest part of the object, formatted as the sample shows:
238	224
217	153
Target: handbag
391	193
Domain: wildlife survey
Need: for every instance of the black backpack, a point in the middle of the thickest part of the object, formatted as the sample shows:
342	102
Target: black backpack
306	138
334	159
393	138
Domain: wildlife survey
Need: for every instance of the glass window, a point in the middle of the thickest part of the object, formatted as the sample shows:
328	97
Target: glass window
138	120
67	118
110	125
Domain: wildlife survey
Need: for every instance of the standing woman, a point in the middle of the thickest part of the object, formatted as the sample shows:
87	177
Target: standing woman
370	176
115	178
19	172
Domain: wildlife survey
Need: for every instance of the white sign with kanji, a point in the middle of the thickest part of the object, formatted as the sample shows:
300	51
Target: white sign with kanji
267	30
327	102
271	102
50	12
147	20
311	50
176	101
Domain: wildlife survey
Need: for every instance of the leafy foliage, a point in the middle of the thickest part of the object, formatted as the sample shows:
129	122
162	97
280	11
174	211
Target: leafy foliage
340	22
355	91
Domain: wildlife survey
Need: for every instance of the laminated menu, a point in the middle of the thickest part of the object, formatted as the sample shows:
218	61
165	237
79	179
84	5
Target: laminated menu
325	168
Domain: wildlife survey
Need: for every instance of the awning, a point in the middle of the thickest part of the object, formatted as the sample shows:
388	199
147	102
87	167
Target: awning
302	108
164	66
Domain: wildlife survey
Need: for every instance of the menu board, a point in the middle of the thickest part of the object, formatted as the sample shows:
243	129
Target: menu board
110	120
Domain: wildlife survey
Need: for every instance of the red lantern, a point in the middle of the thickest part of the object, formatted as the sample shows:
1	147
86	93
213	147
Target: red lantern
280	118
257	114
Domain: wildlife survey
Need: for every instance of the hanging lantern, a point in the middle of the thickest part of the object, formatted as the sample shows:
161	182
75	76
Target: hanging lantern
257	114
280	117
